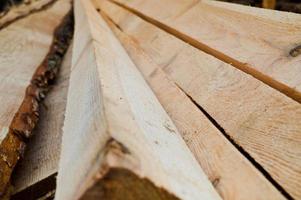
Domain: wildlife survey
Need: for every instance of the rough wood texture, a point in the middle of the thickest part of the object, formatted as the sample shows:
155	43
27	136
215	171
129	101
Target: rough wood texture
42	155
11	11
264	122
260	46
232	175
116	130
25	81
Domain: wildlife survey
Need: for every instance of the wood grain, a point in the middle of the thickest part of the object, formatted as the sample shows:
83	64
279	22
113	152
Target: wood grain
264	122
232	175
21	10
257	45
116	131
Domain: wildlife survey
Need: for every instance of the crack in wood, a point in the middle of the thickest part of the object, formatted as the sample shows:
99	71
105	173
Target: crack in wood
238	147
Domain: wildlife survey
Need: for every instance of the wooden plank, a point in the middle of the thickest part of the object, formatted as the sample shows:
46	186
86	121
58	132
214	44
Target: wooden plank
232	175
42	155
264	122
27	65
264	47
13	10
118	142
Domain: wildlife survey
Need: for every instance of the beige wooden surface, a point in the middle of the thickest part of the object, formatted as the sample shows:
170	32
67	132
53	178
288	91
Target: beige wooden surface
114	122
258	118
19	11
232	175
261	46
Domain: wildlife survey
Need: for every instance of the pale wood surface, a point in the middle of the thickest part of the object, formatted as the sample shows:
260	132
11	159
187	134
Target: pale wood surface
22	10
24	45
258	45
263	121
42	155
232	175
276	15
110	103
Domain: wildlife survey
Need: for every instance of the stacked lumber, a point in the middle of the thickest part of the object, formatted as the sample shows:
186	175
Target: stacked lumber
31	54
153	100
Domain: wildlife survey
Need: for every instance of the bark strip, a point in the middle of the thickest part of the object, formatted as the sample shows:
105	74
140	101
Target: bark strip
25	120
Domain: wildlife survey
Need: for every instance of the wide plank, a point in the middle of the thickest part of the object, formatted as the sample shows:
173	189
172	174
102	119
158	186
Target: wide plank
266	47
232	175
118	142
261	120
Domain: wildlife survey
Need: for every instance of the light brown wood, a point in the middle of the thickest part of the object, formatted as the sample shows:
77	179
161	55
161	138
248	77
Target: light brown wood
232	175
264	122
42	155
18	11
261	46
116	131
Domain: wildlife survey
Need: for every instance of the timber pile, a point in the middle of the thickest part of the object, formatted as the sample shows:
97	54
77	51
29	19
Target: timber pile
149	100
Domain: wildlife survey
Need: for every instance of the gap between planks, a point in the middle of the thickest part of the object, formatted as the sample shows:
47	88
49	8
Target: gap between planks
239	148
281	87
220	128
133	30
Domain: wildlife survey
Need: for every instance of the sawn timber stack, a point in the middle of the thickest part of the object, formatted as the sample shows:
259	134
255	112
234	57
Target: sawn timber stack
155	100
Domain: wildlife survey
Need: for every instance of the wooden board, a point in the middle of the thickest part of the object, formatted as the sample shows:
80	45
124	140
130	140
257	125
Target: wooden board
42	155
14	12
232	175
23	65
118	142
261	120
265	47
